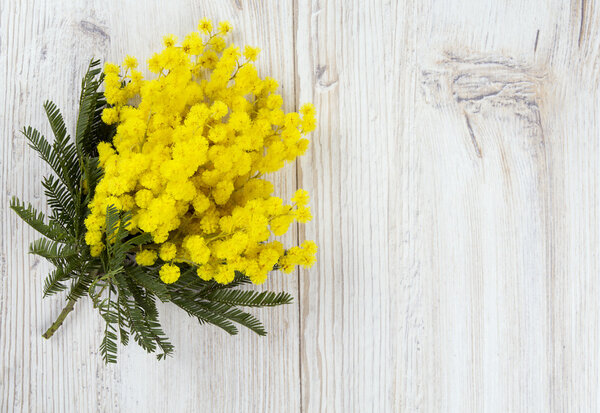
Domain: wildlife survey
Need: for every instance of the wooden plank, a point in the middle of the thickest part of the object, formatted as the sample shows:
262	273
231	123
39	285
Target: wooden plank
455	178
210	371
493	82
354	63
38	376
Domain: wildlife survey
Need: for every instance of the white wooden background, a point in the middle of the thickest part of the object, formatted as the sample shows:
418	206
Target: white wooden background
456	182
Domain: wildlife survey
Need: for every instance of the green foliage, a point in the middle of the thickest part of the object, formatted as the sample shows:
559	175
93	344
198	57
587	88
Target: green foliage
124	293
35	219
55	282
249	298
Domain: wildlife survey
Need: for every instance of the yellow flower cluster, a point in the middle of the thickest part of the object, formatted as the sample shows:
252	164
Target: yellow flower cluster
189	156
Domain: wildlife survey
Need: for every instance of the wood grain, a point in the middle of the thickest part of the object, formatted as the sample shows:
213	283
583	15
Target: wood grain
454	174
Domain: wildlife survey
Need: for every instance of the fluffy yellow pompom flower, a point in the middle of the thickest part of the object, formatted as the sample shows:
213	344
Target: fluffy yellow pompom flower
251	53
130	62
169	40
197	249
188	161
303	214
205	26
145	257
301	197
168	250
225	27
110	116
169	273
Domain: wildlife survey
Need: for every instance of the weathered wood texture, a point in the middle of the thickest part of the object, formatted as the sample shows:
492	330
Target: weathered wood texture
455	178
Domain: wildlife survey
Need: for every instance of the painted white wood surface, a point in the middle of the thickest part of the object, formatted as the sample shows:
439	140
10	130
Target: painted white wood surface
455	176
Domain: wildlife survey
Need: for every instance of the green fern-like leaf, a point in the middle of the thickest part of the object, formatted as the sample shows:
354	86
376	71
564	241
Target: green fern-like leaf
116	231
63	149
142	314
108	347
88	110
110	312
52	250
54	159
79	288
236	315
93	174
149	282
152	325
248	298
61	202
36	220
215	319
54	282
56	121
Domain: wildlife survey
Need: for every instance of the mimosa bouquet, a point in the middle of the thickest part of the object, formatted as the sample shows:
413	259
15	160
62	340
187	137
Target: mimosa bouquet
162	194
